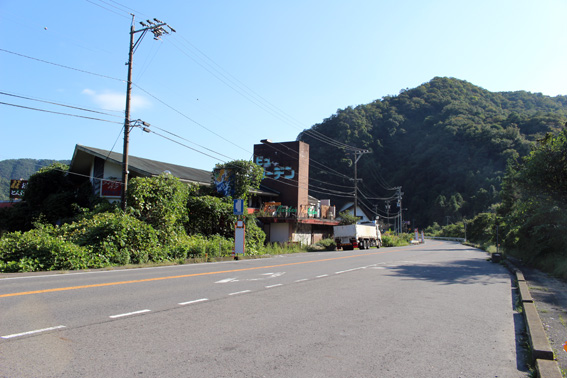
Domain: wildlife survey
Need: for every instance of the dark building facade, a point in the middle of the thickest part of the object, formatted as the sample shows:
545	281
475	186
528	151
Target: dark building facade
286	170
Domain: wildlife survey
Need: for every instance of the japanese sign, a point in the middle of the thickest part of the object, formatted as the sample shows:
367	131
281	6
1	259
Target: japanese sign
111	188
238	207
17	188
273	169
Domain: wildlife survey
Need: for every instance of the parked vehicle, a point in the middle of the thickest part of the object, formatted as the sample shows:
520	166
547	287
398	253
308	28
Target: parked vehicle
361	236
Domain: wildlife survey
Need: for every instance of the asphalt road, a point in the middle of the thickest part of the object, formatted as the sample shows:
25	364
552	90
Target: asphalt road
435	310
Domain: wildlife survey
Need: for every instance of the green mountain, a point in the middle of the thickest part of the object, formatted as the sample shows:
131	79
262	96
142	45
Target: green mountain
445	142
15	169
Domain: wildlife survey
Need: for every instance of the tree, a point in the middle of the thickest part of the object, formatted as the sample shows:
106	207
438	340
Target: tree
240	175
534	200
347	217
159	201
51	197
443	142
208	215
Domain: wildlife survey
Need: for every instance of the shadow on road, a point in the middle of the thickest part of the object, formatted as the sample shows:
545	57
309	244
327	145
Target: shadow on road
457	272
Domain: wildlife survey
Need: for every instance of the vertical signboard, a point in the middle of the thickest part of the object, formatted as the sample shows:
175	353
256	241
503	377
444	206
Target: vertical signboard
17	188
238	207
239	237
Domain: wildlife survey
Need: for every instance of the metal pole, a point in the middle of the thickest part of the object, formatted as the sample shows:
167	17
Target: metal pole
127	120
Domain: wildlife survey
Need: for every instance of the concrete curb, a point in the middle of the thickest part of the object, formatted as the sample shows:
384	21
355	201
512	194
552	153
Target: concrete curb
541	351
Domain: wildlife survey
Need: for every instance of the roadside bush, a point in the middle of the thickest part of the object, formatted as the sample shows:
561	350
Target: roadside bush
392	240
117	238
323	245
159	201
38	249
255	237
209	215
199	246
482	229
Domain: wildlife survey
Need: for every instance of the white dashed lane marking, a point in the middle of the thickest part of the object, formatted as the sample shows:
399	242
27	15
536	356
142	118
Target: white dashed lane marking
267	287
32	332
128	314
193	301
240	292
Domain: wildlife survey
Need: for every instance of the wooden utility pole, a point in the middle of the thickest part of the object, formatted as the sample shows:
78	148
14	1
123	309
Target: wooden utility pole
156	27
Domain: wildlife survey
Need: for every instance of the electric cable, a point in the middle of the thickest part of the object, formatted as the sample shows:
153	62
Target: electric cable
61	65
60	113
58	104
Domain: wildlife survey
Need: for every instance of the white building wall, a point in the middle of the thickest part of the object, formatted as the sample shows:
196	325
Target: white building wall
279	232
302	234
112	170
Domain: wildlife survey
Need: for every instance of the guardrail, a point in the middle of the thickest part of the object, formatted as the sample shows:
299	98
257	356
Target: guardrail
462	240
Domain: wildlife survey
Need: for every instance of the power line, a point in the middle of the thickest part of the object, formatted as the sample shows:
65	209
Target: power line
60	113
184	145
58	104
236	85
61	65
189	118
187	140
107	9
92	73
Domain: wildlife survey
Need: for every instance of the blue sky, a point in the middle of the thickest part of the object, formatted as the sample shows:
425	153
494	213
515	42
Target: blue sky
236	72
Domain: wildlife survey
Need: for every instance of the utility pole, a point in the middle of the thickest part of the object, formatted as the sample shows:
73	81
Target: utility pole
388	213
156	27
357	155
399	221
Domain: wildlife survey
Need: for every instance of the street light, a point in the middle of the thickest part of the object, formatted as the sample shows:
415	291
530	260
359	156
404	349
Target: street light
156	27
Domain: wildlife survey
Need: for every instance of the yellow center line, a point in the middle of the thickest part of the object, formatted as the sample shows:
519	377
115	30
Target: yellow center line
182	276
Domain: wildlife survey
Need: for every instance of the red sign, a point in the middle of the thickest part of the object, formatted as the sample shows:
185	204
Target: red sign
111	188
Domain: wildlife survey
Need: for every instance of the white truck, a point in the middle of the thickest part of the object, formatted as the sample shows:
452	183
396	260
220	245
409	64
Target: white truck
362	236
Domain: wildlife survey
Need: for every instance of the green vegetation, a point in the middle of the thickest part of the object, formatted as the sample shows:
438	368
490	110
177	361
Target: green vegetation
495	161
165	221
530	223
323	245
390	239
15	169
346	218
446	142
493	165
533	209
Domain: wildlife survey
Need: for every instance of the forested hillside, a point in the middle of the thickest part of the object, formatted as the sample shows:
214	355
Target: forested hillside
20	169
445	142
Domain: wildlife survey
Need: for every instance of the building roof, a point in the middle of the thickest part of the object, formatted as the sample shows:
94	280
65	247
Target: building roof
137	166
81	163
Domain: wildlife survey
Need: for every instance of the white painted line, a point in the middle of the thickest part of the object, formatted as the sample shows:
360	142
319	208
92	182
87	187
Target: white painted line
128	314
32	332
301	280
241	292
322	275
348	270
195	301
267	287
226	280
